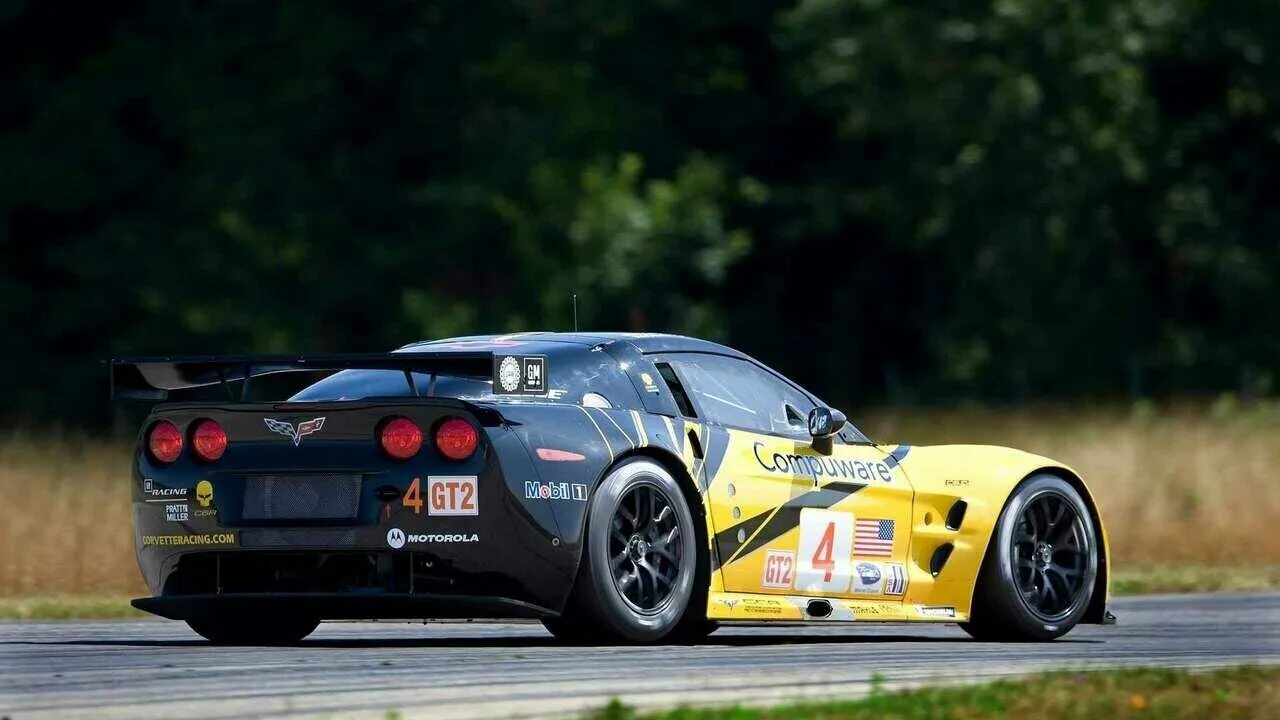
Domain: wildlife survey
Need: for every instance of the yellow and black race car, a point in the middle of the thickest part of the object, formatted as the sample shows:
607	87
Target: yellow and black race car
630	487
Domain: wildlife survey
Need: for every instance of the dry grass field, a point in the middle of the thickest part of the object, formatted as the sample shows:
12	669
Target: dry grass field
1190	485
65	524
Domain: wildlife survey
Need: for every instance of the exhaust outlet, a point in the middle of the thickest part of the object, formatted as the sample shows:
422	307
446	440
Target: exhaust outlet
818	609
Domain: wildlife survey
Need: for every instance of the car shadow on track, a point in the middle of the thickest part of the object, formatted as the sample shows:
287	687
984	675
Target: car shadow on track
518	642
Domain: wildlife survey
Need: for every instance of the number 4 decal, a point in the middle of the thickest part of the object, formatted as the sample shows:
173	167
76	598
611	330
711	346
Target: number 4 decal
822	559
826	542
413	496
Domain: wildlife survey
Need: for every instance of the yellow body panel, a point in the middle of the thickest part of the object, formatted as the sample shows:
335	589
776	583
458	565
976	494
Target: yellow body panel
770	503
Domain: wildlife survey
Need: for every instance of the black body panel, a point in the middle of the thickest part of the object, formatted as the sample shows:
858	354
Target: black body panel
345	606
322	520
509	547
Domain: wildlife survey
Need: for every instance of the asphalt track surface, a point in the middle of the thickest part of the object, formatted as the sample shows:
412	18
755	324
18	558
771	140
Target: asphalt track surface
153	668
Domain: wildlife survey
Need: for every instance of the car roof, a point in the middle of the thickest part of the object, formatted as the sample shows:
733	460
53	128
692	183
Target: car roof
644	342
538	342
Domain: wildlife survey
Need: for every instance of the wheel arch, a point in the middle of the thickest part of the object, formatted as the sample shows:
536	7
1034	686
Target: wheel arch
692	496
1098	612
697	508
674	465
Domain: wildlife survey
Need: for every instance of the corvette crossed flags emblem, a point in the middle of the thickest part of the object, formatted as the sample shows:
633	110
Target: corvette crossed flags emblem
287	429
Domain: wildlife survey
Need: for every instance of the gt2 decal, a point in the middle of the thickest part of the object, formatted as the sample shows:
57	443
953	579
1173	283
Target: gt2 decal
446	495
816	467
452	495
826	541
779	569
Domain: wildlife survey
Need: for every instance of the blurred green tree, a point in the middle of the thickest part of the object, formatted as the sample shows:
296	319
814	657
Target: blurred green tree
903	201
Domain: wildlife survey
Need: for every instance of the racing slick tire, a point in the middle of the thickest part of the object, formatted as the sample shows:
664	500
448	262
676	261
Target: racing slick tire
222	628
640	563
1040	568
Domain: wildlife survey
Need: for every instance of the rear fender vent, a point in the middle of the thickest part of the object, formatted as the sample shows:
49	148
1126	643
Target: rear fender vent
940	557
955	516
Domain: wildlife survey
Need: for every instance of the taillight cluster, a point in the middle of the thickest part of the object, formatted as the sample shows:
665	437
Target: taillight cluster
165	441
400	438
455	438
208	441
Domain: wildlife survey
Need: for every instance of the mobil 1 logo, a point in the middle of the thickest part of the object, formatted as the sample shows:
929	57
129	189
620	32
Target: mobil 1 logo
520	374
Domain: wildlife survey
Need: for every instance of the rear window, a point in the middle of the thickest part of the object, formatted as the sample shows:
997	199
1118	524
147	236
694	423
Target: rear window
572	378
361	384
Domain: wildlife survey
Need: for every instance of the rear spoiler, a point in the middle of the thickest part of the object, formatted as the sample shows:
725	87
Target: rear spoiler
152	378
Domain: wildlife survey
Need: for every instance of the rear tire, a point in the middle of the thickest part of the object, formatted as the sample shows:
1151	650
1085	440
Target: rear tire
640	563
224	628
1041	565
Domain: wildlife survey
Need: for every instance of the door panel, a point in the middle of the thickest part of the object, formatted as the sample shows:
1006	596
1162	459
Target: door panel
784	518
788	520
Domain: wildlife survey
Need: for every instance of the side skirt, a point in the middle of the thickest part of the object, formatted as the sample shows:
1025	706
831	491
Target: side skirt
757	607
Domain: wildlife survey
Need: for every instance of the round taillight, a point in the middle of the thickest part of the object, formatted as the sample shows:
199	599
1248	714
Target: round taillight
456	439
401	438
164	441
209	440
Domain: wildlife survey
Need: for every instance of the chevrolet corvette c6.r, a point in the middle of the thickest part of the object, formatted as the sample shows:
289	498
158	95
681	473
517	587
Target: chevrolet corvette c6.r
627	487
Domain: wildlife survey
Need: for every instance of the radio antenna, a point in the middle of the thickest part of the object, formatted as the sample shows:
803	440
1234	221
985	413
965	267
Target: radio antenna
575	312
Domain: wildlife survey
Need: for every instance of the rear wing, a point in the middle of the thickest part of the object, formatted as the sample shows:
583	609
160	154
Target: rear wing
153	378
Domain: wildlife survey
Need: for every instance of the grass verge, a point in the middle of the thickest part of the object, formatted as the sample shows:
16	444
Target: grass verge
1241	693
67	608
1195	578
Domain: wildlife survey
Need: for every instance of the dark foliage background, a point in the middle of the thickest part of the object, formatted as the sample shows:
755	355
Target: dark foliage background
893	201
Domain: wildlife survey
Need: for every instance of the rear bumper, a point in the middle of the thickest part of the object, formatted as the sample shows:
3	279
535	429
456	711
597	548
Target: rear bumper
343	606
388	561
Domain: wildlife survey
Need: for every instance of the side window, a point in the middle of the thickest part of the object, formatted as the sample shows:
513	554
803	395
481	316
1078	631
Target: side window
677	389
740	394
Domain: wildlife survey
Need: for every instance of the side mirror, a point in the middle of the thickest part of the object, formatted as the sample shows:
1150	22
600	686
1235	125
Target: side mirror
824	423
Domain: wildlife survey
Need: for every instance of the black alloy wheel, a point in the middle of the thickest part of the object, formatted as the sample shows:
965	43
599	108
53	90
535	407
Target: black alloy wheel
642	578
1050	555
1038	576
646	547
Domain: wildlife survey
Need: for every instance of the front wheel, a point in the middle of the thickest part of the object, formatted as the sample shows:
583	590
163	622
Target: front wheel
247	628
639	564
1041	565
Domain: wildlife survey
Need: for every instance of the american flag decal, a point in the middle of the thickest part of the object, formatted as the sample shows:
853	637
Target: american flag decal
873	538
